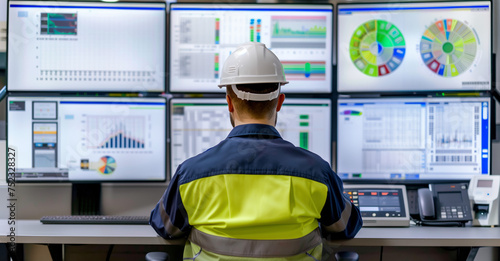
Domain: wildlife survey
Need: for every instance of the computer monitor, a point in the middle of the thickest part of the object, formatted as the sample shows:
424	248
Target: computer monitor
424	46
86	46
199	124
202	36
413	139
85	139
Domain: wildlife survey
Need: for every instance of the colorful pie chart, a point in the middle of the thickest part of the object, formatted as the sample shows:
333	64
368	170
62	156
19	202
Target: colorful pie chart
106	165
377	48
448	47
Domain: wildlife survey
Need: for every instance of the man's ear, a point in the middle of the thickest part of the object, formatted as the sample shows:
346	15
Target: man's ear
281	99
230	106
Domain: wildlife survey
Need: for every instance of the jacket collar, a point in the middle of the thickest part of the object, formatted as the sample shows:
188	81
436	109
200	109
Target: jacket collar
261	130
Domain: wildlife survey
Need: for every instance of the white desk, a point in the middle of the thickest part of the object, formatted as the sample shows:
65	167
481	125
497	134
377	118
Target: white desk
34	232
416	236
55	236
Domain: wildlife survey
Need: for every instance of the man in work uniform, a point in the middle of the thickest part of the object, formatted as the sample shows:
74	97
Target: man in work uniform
254	195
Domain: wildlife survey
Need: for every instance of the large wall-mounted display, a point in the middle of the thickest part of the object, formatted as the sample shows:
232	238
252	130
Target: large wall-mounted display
414	46
86	46
199	124
412	138
87	139
202	36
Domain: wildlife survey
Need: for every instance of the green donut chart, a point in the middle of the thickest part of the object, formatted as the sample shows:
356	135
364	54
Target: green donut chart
448	47
377	48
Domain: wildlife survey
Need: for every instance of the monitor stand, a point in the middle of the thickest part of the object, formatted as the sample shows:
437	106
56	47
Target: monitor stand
86	199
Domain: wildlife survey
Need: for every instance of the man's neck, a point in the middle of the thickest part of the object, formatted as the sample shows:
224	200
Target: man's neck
253	121
243	121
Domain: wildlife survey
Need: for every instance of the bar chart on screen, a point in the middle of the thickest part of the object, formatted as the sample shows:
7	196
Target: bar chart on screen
122	132
202	36
78	46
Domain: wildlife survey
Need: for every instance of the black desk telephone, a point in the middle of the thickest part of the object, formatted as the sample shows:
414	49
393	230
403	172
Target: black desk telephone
442	203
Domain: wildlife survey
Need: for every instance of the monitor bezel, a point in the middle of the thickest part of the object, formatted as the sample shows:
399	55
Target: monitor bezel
61	97
409	92
208	4
171	100
55	92
416	182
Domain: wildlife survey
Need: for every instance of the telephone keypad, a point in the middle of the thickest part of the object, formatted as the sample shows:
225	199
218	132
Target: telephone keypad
455	212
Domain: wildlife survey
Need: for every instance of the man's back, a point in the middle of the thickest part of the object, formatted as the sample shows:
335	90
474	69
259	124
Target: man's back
255	186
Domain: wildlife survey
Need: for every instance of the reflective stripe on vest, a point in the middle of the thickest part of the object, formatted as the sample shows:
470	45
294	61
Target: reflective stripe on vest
341	224
255	248
165	218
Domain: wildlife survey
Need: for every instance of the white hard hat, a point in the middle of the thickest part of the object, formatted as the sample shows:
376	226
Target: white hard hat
252	63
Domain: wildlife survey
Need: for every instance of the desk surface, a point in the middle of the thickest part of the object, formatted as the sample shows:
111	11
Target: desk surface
33	232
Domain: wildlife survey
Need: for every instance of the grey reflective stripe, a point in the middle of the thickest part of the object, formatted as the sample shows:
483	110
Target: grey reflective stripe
172	230
341	224
255	248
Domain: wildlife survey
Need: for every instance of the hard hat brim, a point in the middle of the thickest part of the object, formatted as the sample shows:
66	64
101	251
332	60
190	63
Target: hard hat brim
253	82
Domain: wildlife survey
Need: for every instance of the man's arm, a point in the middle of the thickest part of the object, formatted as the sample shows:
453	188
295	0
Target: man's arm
169	218
339	217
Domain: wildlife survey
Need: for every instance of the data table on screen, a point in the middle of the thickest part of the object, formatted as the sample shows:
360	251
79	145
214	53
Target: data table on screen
413	138
199	124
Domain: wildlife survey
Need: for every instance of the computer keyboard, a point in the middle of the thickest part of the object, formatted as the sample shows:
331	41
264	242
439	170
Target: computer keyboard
97	219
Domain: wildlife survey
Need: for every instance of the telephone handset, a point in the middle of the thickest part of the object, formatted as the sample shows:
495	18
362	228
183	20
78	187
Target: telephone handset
442	203
426	204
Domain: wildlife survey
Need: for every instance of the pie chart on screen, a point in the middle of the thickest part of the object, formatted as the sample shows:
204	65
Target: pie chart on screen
448	47
106	165
377	48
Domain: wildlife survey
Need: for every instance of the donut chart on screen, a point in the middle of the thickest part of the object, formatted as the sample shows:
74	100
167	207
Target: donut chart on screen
377	48
448	47
107	165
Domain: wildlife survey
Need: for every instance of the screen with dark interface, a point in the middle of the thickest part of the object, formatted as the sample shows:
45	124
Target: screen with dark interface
377	202
450	198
